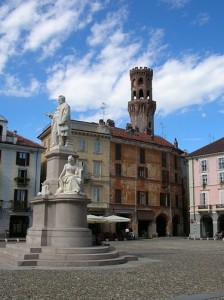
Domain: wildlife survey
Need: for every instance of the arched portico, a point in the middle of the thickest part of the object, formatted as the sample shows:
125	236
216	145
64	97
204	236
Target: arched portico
206	224
161	224
220	223
176	225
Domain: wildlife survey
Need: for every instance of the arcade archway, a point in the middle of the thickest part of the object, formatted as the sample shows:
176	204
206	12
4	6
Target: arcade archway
206	226
176	226
161	224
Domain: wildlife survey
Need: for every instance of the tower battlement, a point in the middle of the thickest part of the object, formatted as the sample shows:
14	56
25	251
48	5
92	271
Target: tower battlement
141	71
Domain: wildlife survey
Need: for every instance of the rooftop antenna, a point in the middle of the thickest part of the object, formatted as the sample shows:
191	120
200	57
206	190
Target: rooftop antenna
163	130
211	138
103	108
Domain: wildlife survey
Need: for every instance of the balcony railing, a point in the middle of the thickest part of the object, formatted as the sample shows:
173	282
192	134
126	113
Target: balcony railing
20	206
219	207
204	207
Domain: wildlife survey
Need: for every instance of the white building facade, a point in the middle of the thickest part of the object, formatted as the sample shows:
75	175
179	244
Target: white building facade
20	162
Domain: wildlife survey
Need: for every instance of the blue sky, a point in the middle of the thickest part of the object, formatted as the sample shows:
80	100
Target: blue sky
84	50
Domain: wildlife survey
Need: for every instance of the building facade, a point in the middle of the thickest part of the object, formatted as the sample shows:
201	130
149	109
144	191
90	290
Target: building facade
206	185
146	183
131	172
91	142
20	161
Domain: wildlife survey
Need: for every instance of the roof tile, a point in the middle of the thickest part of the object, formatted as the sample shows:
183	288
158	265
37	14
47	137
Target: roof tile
23	141
212	148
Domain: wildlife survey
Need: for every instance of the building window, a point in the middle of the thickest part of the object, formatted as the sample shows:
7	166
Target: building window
204	179
96	146
20	199
117	195
175	162
176	177
221	177
117	151
96	194
142	156
142	198
22	173
117	169
22	179
221	196
82	145
204	198
164	199
221	163
142	172
165	178
96	168
203	165
163	159
176	201
22	158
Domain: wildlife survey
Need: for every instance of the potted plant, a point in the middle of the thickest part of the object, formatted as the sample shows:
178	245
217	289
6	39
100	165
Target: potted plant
22	181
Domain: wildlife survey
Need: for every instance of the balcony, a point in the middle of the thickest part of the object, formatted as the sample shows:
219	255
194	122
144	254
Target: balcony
20	206
204	207
21	181
219	207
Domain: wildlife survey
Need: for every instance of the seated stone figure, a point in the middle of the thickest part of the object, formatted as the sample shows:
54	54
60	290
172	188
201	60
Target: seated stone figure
71	178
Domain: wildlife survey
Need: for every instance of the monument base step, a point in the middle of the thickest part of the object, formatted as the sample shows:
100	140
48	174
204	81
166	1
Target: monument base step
25	255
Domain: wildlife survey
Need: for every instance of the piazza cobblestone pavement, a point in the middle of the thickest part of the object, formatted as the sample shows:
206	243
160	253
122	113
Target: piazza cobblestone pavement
168	268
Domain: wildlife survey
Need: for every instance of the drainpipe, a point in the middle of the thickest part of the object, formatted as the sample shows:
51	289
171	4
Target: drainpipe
35	187
136	170
193	189
170	195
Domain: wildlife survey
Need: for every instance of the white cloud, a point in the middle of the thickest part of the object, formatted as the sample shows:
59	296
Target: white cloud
101	73
13	87
100	32
201	19
103	76
181	83
41	25
175	3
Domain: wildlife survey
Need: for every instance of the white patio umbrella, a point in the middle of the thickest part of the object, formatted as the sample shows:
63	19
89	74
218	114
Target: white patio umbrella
116	219
92	219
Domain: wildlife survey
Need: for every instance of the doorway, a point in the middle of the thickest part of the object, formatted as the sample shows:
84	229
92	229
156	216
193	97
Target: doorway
161	223
18	226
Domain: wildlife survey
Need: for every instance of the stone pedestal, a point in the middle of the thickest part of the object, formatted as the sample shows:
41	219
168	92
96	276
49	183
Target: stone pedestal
60	221
57	157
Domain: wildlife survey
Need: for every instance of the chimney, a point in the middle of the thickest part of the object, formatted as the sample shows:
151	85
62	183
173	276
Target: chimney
14	139
128	126
175	143
110	123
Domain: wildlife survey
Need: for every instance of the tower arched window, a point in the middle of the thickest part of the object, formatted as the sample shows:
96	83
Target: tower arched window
148	95
141	94
133	83
134	95
140	81
1	130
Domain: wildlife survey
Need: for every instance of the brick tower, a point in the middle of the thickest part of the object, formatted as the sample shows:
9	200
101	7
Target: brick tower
141	108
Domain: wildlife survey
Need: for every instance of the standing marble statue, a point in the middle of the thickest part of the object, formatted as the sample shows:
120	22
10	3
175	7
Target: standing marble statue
71	178
60	125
